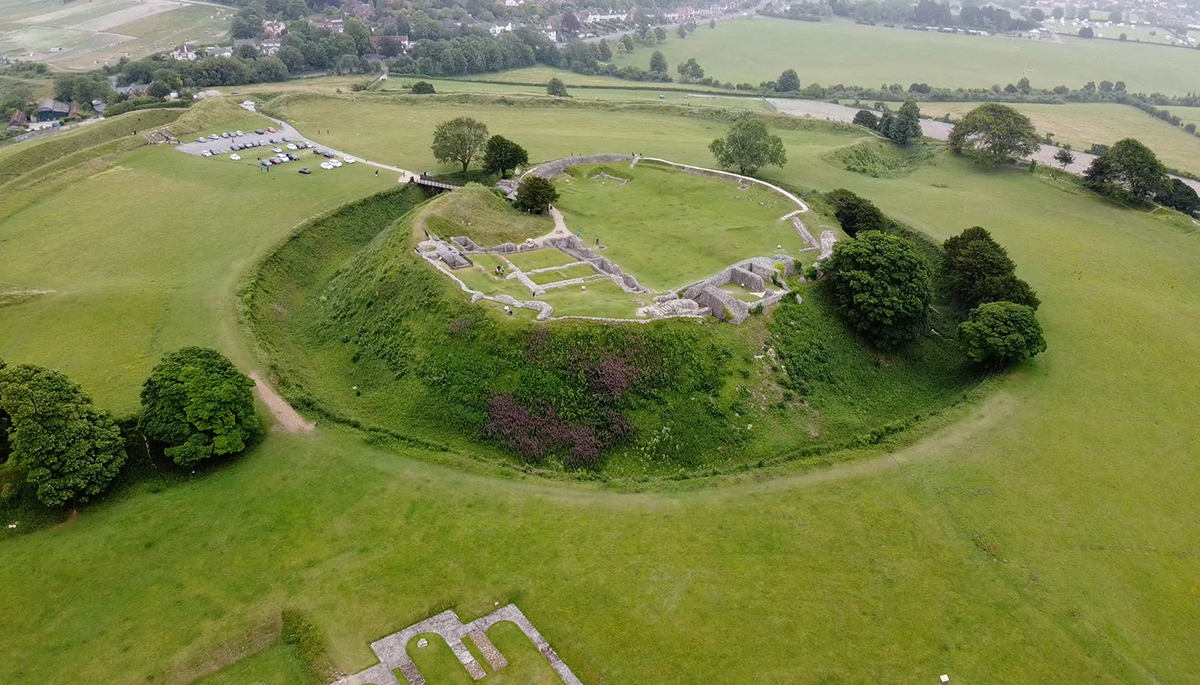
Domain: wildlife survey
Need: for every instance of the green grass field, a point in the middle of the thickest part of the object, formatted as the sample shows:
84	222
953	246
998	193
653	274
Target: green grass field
1084	124
1041	533
670	228
88	35
759	49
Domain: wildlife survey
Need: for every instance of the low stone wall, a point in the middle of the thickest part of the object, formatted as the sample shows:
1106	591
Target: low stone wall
573	247
558	166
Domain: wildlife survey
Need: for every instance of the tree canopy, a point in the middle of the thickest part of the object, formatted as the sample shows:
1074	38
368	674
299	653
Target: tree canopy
999	333
905	127
199	405
690	71
69	449
556	87
867	119
502	154
788	82
855	213
748	146
1128	170
422	88
1179	195
882	286
993	134
978	270
1064	156
658	63
459	140
535	194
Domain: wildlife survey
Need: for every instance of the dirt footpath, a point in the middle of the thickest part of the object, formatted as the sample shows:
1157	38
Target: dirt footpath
287	420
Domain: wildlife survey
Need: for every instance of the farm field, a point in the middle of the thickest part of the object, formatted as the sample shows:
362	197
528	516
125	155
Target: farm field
759	49
1042	532
1084	124
83	36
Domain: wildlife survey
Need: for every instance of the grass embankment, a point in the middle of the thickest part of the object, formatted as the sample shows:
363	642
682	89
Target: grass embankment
882	159
377	338
477	212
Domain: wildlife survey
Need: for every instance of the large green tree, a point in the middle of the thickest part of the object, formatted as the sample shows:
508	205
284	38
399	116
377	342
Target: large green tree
535	194
658	63
1128	170
906	126
1000	333
788	82
882	286
69	449
556	87
1179	195
748	146
459	140
978	269
198	405
690	71
993	134
502	154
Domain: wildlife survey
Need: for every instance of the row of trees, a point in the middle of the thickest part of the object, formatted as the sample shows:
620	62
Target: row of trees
884	287
902	128
195	405
463	139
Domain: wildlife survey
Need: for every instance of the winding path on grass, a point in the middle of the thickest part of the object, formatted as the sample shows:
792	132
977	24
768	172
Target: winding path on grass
287	419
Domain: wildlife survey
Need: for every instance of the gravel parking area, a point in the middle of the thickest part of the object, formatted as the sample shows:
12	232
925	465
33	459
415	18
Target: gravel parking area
222	145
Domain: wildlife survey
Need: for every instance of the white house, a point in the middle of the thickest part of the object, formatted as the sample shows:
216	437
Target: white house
513	3
273	29
185	53
497	29
551	34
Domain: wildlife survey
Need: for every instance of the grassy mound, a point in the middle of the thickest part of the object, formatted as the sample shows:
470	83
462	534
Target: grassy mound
360	330
881	159
24	157
477	212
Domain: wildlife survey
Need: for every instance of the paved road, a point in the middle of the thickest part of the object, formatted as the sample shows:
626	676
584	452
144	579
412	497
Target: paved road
936	130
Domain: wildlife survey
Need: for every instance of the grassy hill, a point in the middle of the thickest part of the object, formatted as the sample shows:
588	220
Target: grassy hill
1040	533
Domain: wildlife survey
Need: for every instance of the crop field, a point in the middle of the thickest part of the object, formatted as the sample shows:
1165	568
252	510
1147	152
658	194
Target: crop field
1040	531
85	35
669	228
1084	124
759	49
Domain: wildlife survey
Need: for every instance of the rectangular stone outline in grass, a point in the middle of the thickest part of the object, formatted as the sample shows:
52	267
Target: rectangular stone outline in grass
393	654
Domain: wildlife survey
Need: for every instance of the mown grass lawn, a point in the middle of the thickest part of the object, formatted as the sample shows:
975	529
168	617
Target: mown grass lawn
145	256
1046	536
759	49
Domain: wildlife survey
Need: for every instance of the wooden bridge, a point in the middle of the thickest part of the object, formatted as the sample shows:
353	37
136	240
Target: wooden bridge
430	183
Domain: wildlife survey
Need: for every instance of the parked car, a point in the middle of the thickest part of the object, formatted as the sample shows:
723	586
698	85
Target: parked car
225	134
335	163
326	165
291	146
236	158
276	149
248	103
349	160
200	139
306	171
328	154
270	129
259	131
239	134
292	157
206	153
